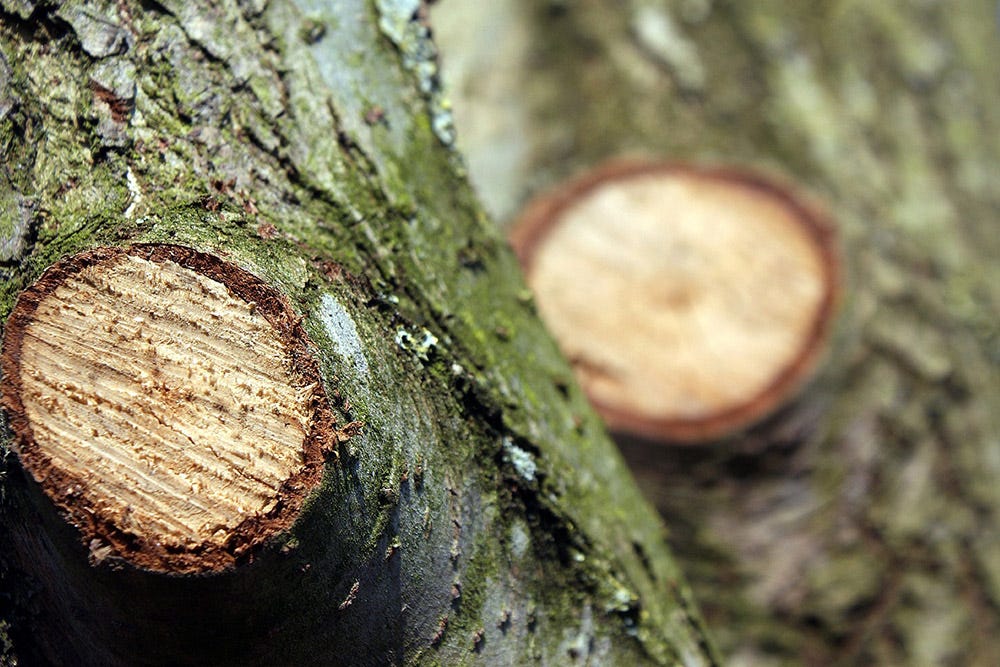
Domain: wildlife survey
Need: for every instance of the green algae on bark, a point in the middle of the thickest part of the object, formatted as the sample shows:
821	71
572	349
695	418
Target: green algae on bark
240	130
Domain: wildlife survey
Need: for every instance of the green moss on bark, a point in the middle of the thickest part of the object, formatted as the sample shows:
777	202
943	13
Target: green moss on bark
244	131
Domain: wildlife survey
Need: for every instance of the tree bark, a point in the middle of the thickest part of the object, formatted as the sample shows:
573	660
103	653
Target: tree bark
479	515
861	524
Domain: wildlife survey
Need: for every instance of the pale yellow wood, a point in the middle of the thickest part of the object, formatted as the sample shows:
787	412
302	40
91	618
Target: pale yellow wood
173	402
678	296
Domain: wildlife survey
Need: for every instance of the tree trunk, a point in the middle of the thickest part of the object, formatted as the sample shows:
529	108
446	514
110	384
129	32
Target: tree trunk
470	510
861	524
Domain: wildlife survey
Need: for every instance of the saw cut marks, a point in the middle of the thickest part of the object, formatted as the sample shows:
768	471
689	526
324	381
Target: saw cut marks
160	403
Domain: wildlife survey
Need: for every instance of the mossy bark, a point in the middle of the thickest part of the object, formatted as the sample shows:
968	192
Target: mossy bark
480	515
861	525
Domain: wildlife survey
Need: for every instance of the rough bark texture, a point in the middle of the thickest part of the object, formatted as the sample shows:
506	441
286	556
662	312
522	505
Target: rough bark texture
861	525
480	516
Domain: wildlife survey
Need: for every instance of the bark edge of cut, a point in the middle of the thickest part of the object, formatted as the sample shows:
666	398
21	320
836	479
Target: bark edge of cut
232	409
817	236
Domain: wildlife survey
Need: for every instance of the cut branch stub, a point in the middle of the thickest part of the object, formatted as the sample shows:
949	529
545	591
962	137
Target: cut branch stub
692	302
167	402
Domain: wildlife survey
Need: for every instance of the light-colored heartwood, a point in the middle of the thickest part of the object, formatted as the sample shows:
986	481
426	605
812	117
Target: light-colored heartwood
690	301
173	402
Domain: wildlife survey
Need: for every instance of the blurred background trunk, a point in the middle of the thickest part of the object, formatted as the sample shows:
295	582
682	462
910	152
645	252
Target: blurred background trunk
860	524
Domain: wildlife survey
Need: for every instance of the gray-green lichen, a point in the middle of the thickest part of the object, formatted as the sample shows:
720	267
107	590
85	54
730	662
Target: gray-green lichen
420	345
22	8
522	460
343	334
16	215
97	27
401	22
